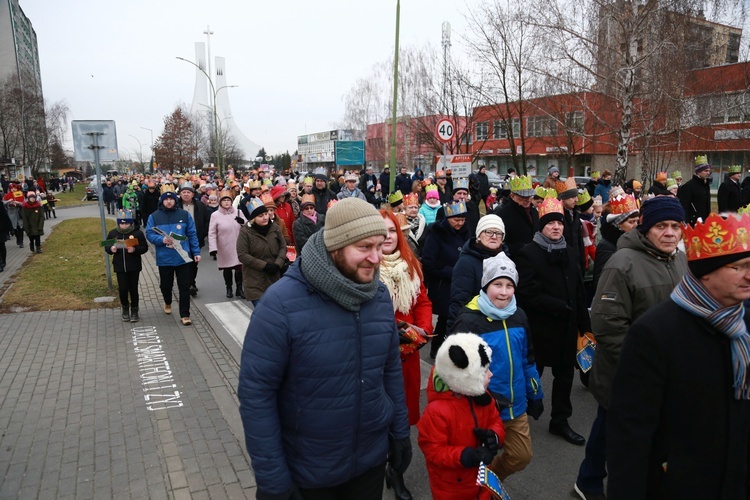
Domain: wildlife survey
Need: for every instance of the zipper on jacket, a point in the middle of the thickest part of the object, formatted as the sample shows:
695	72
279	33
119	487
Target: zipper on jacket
510	359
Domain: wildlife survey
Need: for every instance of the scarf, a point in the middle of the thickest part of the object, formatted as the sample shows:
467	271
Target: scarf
318	267
548	244
127	230
403	287
313	217
262	230
692	296
492	311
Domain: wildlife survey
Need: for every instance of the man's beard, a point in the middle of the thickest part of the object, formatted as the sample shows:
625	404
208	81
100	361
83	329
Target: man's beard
349	271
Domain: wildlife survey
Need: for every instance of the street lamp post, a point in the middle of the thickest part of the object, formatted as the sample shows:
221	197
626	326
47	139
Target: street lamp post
215	92
151	162
140	150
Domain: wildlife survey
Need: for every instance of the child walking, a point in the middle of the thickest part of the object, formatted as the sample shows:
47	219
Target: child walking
33	221
461	427
494	316
130	245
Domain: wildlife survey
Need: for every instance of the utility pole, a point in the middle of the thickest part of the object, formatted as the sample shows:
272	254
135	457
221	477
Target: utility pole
394	122
446	76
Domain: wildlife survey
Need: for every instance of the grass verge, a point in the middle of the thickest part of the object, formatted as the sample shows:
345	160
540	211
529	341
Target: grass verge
69	199
68	275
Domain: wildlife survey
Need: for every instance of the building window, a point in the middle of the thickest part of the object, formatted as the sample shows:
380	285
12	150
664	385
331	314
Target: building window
482	131
499	130
574	122
516	124
724	108
541	126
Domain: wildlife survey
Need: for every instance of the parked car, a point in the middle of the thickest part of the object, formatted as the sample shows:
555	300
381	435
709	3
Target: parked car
92	191
581	180
495	180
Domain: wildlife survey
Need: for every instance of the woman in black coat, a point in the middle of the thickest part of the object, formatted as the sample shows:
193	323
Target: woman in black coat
308	223
439	255
552	294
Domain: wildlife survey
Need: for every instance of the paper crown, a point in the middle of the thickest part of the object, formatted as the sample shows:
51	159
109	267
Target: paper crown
308	180
350	176
583	197
431	187
671	183
307	199
411	199
332	203
267	182
598	201
455	209
167	188
226	194
661	176
701	160
253	185
402	221
744	210
622	204
717	237
550	205
254	204
542	192
462	183
735	169
186	185
676	174
395	198
616	191
595	174
319	171
522	185
125	215
561	187
267	200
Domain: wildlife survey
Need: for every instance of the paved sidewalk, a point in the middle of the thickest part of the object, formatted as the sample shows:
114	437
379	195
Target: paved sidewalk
93	407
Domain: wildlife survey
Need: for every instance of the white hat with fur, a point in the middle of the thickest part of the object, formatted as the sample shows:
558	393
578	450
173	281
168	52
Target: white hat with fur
462	362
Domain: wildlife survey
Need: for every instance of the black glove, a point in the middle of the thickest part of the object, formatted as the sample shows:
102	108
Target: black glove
270	268
212	253
487	438
535	408
240	220
472	457
292	494
399	454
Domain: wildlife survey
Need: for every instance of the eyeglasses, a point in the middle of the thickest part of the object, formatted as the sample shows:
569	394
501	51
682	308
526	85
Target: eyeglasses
744	268
309	207
493	234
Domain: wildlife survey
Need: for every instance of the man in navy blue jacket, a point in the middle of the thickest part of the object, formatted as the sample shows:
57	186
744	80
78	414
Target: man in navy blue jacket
320	386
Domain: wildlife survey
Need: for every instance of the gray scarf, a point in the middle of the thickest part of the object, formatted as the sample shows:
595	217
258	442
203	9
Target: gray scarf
318	267
548	244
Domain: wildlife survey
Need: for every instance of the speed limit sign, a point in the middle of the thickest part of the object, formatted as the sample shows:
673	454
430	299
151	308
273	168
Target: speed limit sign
445	129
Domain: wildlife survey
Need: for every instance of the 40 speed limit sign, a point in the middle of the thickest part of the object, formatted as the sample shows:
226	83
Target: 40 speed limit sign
445	129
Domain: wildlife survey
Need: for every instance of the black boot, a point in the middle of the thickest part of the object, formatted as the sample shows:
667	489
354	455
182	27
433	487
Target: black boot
229	292
134	318
125	313
239	292
396	481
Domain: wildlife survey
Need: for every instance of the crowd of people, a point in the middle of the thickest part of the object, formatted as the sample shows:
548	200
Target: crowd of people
345	277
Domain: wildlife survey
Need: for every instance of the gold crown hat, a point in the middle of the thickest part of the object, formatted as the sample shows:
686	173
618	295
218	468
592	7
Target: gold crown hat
567	189
676	174
167	187
735	169
621	207
457	209
596	174
395	198
461	183
701	163
250	185
661	176
308	180
226	194
267	200
267	182
307	199
522	186
431	187
584	200
550	209
671	183
597	200
717	242
411	199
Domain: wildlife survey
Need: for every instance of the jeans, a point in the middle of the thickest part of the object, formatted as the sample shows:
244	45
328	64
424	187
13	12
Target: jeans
167	275
593	469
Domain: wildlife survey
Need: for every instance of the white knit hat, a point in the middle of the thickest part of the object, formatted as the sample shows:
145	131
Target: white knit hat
490	221
462	361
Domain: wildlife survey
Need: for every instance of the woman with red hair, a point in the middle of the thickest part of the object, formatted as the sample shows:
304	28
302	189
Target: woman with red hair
401	272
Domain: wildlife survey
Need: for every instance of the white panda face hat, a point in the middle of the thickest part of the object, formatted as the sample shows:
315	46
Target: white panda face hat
462	362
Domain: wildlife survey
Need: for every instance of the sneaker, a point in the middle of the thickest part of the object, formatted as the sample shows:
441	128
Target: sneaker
193	290
186	321
588	496
168	308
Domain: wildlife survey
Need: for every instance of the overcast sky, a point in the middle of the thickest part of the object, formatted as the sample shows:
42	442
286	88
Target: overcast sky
292	60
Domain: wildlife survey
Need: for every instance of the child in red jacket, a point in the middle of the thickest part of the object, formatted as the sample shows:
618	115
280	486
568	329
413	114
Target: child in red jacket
461	426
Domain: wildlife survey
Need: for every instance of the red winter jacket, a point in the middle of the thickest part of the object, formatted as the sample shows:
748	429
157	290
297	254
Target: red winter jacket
445	429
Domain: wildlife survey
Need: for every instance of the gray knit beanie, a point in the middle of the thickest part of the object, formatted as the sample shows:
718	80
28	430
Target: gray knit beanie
349	221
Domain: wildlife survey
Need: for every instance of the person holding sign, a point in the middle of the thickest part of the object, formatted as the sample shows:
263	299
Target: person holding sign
126	244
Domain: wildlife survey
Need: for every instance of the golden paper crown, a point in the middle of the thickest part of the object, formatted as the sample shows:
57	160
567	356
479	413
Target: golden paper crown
735	169
308	180
307	198
267	200
671	183
522	185
431	187
561	187
395	198
595	174
253	185
542	192
167	188
676	174
717	236
226	194
622	204
550	205
455	209
701	160
583	197
411	199
661	176
744	210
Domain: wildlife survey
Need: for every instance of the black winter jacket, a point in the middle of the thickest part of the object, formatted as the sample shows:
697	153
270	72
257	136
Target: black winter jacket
440	253
695	196
519	230
122	260
303	228
729	196
200	218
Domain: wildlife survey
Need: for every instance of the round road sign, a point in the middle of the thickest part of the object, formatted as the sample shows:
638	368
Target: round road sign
445	129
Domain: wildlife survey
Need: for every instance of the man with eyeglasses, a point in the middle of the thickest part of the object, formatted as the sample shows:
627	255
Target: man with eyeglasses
679	414
640	274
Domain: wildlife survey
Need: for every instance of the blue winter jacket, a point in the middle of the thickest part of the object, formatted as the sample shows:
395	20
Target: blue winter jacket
320	387
176	221
514	373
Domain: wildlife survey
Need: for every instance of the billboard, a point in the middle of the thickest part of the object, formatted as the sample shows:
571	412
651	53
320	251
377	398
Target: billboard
350	153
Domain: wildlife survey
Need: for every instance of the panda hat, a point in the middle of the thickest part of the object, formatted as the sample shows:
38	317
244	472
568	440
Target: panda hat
462	362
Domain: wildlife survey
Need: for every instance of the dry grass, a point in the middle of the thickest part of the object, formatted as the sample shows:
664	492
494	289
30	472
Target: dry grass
68	275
